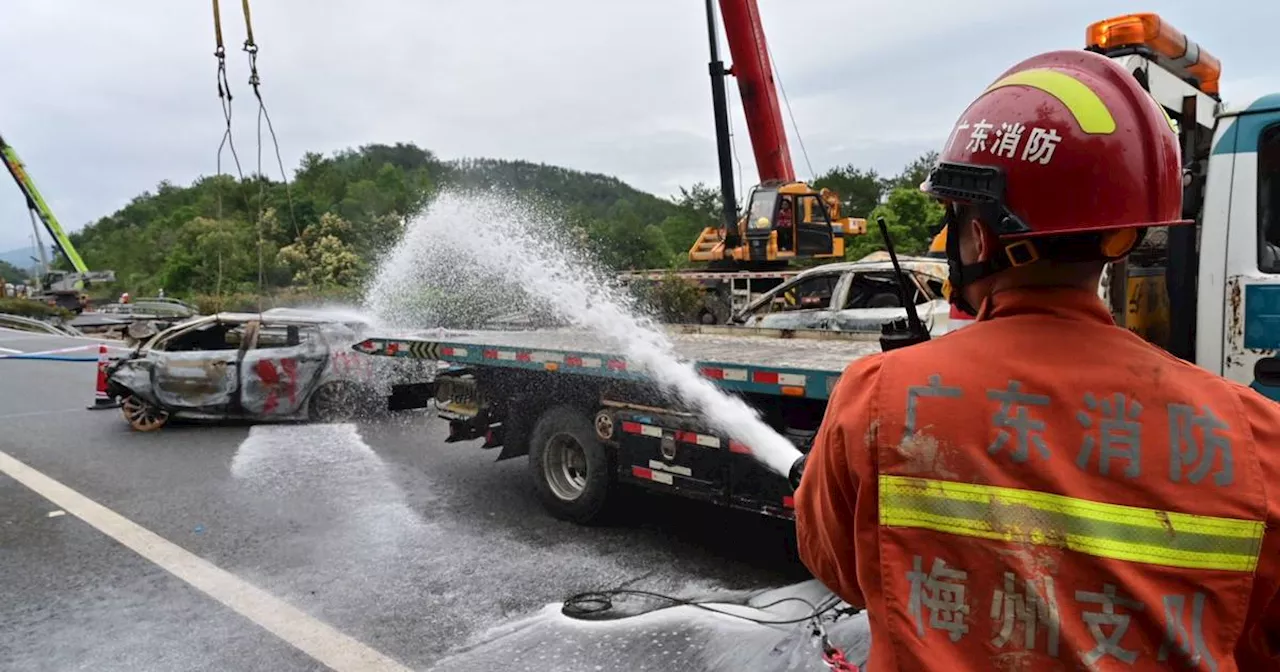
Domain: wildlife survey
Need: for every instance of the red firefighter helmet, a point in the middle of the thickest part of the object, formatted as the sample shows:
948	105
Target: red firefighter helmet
1064	142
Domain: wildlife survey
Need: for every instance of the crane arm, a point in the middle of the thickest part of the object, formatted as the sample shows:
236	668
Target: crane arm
37	205
751	65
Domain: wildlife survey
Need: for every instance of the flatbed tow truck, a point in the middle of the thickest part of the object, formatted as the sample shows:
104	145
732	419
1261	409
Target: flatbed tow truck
588	419
584	414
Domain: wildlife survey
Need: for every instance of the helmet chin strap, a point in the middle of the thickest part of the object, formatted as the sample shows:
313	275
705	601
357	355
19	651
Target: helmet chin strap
960	275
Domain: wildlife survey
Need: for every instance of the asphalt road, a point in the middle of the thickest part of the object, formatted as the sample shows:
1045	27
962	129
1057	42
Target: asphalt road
409	546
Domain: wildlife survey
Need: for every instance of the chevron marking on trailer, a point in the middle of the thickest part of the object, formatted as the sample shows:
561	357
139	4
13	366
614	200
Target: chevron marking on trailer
424	350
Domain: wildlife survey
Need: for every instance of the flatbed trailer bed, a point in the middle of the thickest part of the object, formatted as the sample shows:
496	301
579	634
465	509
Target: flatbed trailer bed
742	359
588	416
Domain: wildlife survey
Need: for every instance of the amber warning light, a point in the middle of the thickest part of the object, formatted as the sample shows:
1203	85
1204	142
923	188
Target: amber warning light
1170	45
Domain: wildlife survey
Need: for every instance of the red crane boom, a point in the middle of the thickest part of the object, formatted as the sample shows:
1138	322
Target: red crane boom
752	68
766	234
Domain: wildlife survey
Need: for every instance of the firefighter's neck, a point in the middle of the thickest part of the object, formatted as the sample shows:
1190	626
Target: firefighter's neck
1040	275
1078	275
980	244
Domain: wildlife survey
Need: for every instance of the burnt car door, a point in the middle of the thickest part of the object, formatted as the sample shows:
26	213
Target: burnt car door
197	369
805	302
281	367
873	300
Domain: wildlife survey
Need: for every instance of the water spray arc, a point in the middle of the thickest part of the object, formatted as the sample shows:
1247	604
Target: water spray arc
467	248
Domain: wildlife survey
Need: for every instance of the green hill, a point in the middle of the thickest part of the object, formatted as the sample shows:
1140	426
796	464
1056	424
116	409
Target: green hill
339	212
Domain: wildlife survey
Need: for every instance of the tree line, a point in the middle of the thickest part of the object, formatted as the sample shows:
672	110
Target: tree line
325	229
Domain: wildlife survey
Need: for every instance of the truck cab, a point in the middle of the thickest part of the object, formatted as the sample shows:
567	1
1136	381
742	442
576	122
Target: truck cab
1209	293
1238	298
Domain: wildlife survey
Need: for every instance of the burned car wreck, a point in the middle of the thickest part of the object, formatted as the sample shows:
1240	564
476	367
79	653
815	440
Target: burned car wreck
279	365
861	295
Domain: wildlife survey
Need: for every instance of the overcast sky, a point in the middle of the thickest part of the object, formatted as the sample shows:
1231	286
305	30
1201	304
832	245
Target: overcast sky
105	99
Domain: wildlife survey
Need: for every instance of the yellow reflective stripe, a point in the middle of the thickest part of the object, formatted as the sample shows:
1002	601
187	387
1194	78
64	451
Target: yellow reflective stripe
1114	531
1173	125
1085	105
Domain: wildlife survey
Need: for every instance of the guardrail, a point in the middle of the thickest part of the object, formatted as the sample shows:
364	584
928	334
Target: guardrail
24	323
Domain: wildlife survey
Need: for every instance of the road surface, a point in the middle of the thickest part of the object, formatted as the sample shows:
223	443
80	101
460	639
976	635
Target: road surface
278	547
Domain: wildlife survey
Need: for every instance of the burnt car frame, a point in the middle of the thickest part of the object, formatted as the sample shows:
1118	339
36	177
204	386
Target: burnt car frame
852	296
272	366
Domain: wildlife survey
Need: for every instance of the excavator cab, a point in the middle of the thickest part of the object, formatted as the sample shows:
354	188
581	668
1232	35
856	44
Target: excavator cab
789	221
782	222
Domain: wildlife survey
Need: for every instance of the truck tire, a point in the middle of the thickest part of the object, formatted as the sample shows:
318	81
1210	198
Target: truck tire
571	470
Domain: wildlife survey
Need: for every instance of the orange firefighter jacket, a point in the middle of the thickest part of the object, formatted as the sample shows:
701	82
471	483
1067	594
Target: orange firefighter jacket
1043	490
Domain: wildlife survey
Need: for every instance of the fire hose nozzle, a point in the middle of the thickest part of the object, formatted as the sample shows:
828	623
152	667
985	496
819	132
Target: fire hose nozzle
797	471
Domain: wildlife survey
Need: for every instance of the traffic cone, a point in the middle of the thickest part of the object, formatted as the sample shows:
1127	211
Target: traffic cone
100	398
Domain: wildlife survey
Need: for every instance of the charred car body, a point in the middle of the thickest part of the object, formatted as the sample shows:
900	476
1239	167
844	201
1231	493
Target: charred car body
857	296
276	365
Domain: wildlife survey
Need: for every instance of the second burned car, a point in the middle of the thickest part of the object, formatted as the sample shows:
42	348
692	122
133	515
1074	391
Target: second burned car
852	296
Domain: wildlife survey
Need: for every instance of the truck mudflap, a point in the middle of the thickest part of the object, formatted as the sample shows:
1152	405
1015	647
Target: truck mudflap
677	456
411	395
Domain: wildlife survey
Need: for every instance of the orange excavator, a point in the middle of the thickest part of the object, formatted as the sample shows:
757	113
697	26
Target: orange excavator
785	218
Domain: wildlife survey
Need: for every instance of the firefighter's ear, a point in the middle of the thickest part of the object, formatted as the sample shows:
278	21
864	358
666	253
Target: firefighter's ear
978	243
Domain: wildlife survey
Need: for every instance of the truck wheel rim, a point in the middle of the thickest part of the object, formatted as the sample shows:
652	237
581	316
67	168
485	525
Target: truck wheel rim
565	467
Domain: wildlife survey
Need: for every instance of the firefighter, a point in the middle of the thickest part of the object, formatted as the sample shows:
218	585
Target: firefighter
1044	489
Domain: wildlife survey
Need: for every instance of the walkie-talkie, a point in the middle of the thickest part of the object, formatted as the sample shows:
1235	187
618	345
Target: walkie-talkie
900	333
893	335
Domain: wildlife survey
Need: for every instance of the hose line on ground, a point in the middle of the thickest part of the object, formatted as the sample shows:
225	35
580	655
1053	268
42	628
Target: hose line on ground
592	603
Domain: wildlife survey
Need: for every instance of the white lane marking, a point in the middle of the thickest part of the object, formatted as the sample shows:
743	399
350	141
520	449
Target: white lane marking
32	336
314	638
55	514
30	414
11	351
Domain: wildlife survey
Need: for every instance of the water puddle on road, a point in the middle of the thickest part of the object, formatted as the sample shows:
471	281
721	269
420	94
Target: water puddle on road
666	638
476	256
326	475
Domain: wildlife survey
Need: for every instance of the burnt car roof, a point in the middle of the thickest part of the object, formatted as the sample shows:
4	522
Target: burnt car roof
879	261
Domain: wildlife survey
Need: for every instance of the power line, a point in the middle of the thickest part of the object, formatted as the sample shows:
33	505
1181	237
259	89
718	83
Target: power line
799	138
733	150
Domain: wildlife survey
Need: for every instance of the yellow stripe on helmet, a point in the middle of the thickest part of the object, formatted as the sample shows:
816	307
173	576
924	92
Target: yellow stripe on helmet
1088	109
